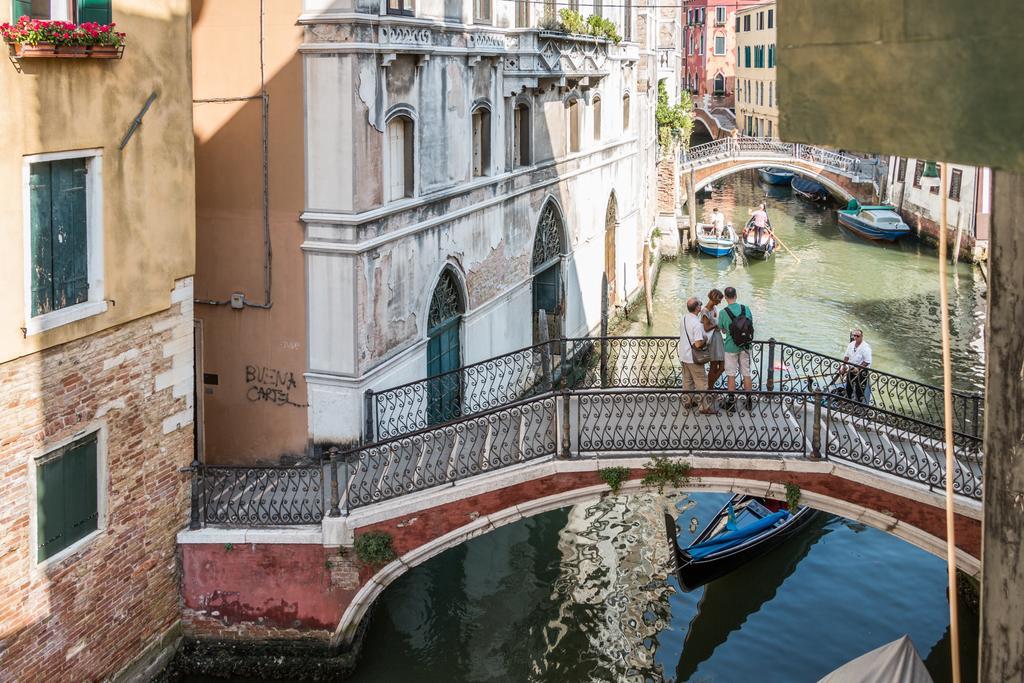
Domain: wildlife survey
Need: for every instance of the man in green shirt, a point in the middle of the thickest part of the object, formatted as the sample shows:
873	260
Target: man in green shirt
737	356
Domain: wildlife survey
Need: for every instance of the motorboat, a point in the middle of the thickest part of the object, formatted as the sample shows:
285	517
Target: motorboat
711	243
809	189
759	245
775	176
745	528
878	223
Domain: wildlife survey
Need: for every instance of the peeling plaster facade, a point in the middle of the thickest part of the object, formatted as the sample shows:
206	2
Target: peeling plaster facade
372	265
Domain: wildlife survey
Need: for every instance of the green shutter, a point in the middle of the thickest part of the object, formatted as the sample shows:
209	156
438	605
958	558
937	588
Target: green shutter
70	245
20	8
50	516
97	11
80	509
42	247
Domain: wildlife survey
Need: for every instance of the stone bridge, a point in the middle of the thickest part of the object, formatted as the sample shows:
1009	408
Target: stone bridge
530	432
719	121
839	173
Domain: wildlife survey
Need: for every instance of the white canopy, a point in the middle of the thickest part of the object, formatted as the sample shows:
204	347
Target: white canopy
896	662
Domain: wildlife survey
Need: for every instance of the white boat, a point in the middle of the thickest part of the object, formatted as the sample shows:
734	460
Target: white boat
713	244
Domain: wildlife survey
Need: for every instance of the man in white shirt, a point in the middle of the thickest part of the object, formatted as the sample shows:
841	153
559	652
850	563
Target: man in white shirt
691	336
857	359
718	221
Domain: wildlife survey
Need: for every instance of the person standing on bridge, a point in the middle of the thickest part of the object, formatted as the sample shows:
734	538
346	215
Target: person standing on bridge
713	336
857	359
737	325
693	354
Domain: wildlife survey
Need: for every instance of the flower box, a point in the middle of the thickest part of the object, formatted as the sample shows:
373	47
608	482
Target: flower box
33	38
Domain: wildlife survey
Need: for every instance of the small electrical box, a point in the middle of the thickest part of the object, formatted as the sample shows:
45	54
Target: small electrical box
237	300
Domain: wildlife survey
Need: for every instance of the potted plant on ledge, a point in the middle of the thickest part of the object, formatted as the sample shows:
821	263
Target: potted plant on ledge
54	39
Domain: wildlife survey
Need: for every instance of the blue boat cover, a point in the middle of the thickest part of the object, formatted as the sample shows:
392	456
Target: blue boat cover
732	538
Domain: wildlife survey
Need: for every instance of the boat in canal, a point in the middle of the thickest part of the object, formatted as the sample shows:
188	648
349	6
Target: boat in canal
775	176
878	223
809	189
758	246
745	528
895	662
711	244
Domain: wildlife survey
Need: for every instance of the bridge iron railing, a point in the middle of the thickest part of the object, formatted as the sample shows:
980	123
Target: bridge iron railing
580	397
741	146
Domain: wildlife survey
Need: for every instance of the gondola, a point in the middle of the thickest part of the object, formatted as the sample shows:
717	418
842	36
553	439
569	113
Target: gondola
753	247
809	189
745	528
775	176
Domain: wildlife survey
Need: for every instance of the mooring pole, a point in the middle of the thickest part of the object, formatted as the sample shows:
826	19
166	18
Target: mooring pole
604	330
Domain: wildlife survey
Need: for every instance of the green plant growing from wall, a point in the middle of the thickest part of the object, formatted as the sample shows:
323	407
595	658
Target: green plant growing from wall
375	548
662	472
792	497
614	476
675	122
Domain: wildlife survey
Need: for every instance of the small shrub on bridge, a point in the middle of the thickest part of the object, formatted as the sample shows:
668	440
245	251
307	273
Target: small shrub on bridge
792	497
614	476
662	472
375	549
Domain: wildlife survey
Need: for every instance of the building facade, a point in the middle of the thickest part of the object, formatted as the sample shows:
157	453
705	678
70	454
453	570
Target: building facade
968	193
96	346
463	169
709	44
757	100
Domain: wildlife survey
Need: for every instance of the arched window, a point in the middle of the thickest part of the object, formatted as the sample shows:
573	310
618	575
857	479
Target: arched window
481	141
597	118
719	84
625	112
399	173
521	135
444	350
549	244
574	124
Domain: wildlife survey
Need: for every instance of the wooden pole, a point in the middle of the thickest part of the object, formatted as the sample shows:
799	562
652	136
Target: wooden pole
947	404
647	281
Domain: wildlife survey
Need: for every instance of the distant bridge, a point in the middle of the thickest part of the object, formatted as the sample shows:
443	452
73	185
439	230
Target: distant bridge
527	432
840	173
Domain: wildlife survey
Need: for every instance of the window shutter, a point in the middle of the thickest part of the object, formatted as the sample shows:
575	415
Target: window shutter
20	8
50	508
97	11
42	246
80	508
69	242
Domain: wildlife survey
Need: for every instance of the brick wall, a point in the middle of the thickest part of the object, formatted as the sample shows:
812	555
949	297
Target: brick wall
87	615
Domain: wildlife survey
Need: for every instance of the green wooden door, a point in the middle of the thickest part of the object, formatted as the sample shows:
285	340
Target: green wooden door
443	360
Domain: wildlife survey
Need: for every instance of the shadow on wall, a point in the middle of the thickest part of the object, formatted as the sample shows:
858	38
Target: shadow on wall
253	397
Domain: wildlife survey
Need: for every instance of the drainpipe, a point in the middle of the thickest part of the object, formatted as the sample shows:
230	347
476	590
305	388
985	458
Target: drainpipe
240	301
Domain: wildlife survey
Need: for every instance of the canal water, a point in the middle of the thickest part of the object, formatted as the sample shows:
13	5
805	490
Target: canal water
583	593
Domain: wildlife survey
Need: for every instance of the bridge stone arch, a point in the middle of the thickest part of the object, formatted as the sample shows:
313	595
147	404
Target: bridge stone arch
420	532
728	168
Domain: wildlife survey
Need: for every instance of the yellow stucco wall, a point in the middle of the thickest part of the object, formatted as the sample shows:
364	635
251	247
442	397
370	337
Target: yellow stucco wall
55	105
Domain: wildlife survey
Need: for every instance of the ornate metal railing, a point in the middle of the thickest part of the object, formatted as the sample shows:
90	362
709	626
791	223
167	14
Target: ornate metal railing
445	454
899	445
649	420
259	496
602	396
634	362
743	146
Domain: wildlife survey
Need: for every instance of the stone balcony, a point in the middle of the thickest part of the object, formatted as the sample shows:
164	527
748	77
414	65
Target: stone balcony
534	55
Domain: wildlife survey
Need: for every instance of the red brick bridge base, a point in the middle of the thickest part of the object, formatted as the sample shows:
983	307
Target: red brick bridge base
286	583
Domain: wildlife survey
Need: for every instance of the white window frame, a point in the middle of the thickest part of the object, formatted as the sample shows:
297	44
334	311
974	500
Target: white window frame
716	38
720	16
59	11
102	486
96	304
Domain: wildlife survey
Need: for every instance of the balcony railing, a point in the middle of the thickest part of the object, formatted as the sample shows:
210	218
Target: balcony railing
551	54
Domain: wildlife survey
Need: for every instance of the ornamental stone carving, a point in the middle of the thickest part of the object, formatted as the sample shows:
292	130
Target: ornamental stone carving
488	41
404	35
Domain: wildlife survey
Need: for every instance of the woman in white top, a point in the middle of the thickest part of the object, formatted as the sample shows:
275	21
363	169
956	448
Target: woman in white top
713	336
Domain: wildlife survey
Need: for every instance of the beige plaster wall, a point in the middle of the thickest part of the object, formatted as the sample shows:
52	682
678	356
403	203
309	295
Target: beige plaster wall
54	105
256	410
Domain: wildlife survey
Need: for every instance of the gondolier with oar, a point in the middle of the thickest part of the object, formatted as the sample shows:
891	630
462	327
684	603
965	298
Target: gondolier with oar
759	219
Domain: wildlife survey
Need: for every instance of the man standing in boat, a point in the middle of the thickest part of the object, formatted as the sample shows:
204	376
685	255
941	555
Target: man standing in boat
760	221
857	359
718	221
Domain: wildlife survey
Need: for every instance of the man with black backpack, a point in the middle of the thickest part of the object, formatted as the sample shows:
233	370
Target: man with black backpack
737	323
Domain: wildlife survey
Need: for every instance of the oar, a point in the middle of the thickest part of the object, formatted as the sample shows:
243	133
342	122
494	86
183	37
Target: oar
779	239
